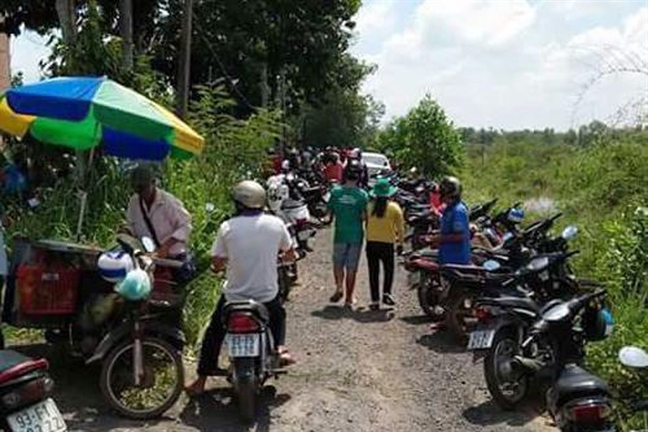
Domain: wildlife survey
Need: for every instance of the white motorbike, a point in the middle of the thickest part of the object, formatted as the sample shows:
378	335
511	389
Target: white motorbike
289	206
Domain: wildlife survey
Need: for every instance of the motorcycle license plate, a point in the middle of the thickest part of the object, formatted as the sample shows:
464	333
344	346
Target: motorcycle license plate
42	417
243	345
482	339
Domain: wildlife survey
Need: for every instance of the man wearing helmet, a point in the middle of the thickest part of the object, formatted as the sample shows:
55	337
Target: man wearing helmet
453	239
247	246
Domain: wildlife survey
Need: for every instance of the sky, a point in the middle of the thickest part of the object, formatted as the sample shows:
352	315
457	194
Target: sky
509	64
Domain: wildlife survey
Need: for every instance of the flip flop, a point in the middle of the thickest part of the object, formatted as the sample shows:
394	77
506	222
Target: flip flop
336	297
285	358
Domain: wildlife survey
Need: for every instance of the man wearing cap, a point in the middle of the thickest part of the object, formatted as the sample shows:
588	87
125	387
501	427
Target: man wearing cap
159	215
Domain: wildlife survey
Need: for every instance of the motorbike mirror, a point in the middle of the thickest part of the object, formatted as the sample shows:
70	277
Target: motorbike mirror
210	207
570	232
633	357
149	244
491	265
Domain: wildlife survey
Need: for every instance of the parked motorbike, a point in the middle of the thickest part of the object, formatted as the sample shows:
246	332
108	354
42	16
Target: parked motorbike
252	353
551	351
142	373
288	204
25	395
455	287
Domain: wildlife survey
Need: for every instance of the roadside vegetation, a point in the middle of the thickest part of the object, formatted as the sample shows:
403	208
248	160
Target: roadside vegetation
600	186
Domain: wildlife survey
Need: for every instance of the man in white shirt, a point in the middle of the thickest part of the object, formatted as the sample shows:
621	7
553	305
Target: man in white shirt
248	246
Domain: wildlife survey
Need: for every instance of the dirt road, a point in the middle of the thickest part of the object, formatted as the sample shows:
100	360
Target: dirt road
358	371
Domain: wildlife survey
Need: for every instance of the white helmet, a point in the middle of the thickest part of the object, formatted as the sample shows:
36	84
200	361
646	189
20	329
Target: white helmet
249	194
114	265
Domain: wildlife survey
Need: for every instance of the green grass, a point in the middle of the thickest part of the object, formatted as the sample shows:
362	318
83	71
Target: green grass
599	188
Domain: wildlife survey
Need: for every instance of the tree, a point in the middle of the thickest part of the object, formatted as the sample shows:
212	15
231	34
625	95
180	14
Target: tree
425	138
262	44
342	116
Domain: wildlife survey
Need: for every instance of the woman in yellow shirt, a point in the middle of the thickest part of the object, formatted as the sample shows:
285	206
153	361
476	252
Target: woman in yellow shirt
385	229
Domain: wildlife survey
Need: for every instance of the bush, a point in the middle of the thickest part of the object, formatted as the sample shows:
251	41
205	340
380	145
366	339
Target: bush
599	188
425	138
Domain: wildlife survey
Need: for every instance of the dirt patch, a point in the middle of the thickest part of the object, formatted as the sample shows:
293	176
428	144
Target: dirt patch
358	371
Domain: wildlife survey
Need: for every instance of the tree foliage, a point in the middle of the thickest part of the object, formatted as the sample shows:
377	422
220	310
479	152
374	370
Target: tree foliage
297	45
342	116
424	138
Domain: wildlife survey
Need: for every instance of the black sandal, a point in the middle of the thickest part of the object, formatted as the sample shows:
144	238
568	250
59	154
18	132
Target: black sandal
336	297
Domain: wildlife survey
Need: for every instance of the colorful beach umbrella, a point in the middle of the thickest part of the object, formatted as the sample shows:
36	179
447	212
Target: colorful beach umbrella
87	112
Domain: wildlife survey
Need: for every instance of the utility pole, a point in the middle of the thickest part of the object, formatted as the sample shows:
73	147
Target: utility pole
184	62
126	31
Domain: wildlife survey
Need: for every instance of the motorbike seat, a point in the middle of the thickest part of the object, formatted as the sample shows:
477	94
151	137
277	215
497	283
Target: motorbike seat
14	364
575	382
428	253
256	308
461	272
511	302
425	263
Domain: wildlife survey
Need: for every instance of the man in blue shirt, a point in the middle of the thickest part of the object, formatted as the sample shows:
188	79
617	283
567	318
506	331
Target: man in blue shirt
453	239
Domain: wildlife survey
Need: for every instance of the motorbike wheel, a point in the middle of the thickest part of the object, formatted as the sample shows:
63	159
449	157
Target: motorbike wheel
247	398
458	313
162	384
284	284
507	387
429	300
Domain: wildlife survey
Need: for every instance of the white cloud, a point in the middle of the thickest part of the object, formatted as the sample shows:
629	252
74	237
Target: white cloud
377	17
492	23
507	63
27	50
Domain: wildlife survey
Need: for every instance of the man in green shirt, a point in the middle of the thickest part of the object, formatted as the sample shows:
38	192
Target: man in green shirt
348	204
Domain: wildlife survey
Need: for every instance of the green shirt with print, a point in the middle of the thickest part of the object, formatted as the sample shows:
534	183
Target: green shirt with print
348	204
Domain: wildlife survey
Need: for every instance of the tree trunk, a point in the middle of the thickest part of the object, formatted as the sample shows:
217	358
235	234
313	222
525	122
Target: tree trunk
184	62
265	88
66	11
126	31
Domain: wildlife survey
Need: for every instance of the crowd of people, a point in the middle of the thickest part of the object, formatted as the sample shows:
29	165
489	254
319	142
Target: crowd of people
378	219
247	245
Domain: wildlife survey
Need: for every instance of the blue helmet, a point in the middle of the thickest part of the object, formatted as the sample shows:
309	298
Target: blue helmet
515	215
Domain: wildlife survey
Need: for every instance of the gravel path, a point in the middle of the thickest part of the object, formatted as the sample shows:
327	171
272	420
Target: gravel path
358	371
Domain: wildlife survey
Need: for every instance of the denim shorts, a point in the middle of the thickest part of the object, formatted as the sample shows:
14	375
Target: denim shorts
347	255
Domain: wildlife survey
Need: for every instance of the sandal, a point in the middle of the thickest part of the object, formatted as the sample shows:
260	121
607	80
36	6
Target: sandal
285	358
388	299
336	297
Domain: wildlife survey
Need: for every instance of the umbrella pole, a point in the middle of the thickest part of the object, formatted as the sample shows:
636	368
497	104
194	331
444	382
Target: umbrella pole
84	195
84	201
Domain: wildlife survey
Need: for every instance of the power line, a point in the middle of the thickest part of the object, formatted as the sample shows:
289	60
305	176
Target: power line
222	67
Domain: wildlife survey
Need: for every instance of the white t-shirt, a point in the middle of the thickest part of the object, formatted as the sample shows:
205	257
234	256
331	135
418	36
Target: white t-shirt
251	245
